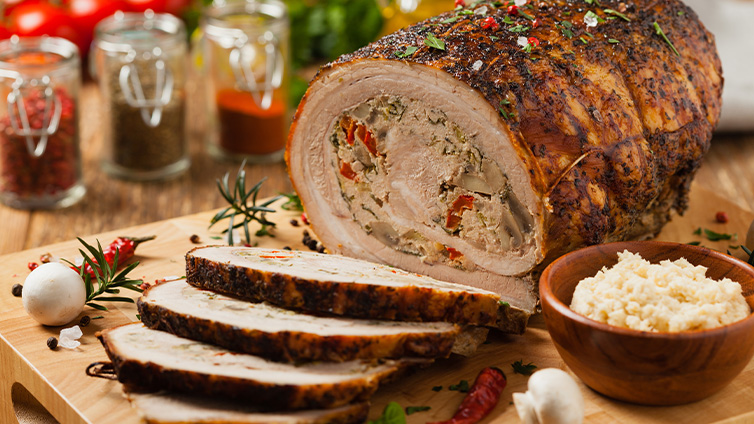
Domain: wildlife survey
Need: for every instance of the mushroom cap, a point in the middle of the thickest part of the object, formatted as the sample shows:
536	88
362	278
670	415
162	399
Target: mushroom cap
54	294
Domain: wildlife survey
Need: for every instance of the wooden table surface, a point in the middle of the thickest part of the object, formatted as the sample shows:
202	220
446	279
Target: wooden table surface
110	203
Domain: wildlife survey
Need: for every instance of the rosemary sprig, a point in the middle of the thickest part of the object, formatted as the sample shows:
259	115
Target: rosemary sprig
108	282
239	199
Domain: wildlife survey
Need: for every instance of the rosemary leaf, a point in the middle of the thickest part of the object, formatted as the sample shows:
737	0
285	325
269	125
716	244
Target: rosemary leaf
661	33
243	204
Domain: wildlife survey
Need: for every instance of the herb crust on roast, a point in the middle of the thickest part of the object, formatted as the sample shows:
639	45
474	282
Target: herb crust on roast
480	144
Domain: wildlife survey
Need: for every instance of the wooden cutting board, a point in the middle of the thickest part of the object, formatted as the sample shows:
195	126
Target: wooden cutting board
32	377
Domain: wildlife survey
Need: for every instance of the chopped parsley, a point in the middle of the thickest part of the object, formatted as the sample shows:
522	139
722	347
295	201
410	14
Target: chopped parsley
613	41
714	236
434	42
507	20
414	409
525	15
410	50
520	368
566	29
593	2
449	20
503	303
462	386
618	14
518	28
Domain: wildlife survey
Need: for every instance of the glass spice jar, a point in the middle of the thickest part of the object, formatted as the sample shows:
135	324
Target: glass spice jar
40	161
246	55
140	61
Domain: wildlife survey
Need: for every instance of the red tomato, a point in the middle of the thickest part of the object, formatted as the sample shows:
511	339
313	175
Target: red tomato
87	13
9	5
43	19
176	7
4	33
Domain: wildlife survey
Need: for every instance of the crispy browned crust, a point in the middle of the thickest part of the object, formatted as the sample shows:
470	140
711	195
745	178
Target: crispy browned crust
407	303
290	346
147	375
611	133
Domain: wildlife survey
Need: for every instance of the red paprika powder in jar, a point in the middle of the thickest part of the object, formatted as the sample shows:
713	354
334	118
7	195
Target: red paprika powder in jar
246	62
40	163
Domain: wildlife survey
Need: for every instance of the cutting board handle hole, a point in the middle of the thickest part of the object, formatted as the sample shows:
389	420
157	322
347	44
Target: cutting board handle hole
27	408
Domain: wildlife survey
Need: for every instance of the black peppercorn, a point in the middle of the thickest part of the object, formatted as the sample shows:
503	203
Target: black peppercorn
17	290
195	239
52	343
294	222
85	320
287	248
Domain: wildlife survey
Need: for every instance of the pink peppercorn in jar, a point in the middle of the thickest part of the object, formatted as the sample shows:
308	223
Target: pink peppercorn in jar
40	162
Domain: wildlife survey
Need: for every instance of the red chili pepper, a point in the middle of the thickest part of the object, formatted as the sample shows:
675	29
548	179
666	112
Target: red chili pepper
304	219
126	248
534	41
347	171
490	22
32	266
454	214
460	3
513	9
453	253
721	217
537	22
481	399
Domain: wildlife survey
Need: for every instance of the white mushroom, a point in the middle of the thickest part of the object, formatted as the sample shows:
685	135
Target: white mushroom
553	398
54	294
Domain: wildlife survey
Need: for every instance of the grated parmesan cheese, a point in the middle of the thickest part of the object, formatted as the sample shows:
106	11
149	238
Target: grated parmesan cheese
667	297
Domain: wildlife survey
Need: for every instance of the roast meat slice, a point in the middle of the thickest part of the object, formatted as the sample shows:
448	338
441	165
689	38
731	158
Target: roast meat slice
476	146
282	335
345	286
158	360
175	408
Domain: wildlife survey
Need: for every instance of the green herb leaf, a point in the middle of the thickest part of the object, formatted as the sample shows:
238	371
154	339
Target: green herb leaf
520	368
618	14
566	29
518	28
734	247
414	409
583	40
591	14
507	20
503	303
750	261
392	414
434	42
465	12
410	50
98	317
612	41
694	243
713	236
661	33
681	13
449	20
593	2
436	388
525	15
462	386
493	38
698	231
108	281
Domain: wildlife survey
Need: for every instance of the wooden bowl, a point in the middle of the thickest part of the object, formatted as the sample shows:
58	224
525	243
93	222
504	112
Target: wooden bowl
647	368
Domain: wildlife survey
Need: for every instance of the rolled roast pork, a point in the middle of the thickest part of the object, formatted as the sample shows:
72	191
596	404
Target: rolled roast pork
478	145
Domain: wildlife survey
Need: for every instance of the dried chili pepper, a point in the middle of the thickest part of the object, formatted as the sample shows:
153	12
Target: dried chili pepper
481	399
126	248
